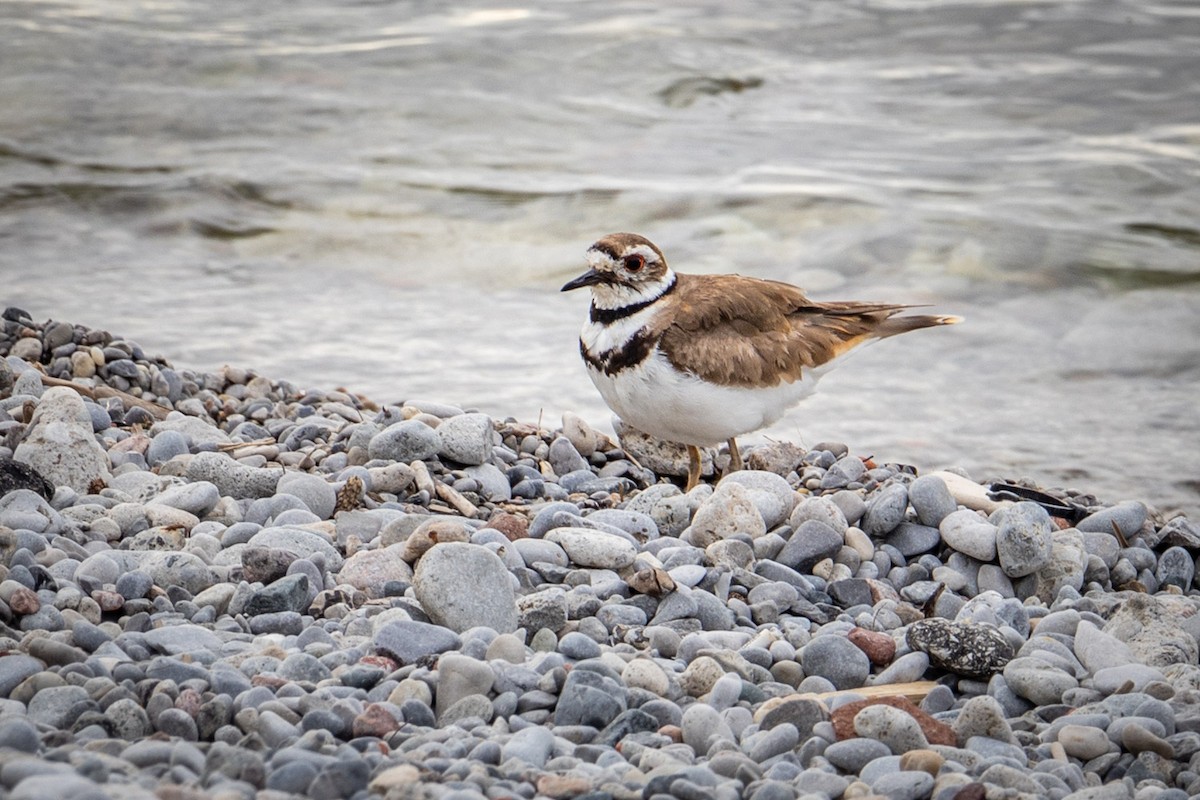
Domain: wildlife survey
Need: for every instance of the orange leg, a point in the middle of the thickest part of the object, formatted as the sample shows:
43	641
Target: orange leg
735	458
693	467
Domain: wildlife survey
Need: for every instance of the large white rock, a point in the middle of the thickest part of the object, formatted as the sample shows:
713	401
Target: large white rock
60	443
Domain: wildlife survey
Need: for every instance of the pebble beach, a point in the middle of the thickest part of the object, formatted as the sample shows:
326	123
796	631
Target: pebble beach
220	586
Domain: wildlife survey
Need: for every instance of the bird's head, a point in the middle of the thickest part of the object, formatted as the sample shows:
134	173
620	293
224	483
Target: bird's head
624	268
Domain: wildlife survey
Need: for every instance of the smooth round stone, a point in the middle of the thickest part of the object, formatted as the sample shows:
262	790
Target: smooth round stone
578	646
371	569
166	445
459	677
969	534
1135	738
59	706
771	493
910	785
822	509
591	548
533	746
851	755
926	761
46	787
725	692
198	497
905	669
300	542
780	739
931	499
641	527
645	674
1038	681
493	483
860	543
1176	567
873	770
564	458
1011	779
1082	741
1111	679
688	574
177	723
846	470
317	494
891	726
14	669
405	441
1127	517
836	659
912	539
729	510
982	716
533	551
1098	650
701	724
885	510
292	777
18	733
409	641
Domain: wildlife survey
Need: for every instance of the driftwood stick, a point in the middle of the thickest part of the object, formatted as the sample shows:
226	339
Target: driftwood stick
101	392
914	691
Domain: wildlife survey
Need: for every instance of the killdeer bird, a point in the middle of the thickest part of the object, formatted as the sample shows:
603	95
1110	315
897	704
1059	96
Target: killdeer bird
702	359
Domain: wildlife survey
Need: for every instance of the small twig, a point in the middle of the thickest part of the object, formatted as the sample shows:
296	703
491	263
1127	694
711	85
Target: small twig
231	446
455	498
1120	534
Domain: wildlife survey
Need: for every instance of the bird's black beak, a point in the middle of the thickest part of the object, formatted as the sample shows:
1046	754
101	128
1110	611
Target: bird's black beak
589	278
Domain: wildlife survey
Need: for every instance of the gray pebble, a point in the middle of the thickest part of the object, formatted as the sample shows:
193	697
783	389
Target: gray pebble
406	441
590	698
885	510
931	499
969	533
232	478
1127	517
317	494
466	438
461	586
1023	539
808	544
836	659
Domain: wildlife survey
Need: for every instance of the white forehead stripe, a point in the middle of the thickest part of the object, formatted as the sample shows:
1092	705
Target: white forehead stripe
645	251
598	259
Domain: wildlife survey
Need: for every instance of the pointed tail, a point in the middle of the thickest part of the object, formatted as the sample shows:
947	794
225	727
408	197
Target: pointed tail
911	322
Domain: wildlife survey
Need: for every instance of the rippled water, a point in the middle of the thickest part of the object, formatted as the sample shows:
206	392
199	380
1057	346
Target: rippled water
387	196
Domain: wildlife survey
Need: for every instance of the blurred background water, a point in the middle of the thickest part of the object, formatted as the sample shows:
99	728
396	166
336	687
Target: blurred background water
387	195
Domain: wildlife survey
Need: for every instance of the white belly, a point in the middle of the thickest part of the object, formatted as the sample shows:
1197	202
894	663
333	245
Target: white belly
656	399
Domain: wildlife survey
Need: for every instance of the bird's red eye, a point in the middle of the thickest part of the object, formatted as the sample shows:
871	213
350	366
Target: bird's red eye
635	263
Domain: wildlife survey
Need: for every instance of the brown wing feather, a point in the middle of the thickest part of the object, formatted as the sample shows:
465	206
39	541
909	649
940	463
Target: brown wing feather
758	332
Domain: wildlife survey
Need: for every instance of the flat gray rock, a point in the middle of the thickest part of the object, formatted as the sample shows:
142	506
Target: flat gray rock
462	585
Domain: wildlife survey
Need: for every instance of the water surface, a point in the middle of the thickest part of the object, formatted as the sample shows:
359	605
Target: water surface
387	196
